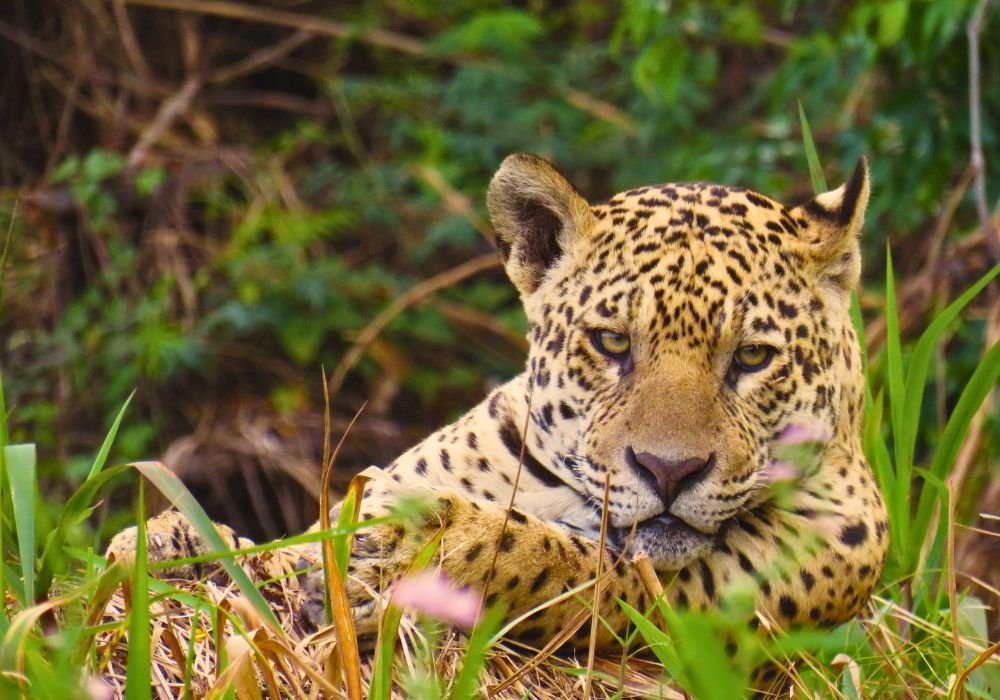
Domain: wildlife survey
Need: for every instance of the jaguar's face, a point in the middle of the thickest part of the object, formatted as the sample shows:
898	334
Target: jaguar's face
675	332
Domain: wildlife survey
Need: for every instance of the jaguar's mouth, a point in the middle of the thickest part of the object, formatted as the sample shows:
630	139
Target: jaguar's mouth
669	541
663	525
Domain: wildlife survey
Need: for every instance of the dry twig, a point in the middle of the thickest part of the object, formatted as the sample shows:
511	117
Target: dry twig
411	297
973	30
261	57
454	201
165	117
130	43
266	15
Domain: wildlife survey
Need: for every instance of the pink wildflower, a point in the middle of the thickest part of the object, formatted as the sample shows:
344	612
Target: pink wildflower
436	596
779	470
98	689
800	433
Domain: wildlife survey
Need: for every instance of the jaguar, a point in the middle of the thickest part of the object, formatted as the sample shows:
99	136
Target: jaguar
680	337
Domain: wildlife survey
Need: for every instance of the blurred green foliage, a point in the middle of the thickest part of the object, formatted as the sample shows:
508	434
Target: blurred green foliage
238	257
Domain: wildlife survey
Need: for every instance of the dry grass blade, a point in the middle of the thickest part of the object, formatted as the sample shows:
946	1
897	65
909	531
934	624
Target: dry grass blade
843	661
651	582
982	658
595	620
14	645
568	630
173	645
239	673
245	611
340	606
263	664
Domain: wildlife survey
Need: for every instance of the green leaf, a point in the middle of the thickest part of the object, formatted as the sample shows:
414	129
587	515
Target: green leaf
875	447
812	157
99	165
65	170
497	31
892	16
4	253
858	321
661	67
21	462
148	179
102	454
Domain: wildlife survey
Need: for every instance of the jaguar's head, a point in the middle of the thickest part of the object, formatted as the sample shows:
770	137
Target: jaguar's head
675	332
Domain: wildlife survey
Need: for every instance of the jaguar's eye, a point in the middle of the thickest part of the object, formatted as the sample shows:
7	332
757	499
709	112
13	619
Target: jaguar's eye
611	343
753	358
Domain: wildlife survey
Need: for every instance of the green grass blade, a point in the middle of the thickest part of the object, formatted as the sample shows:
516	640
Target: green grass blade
381	685
923	352
21	464
4	436
877	454
858	321
77	509
659	642
875	448
982	381
170	486
859	327
466	684
933	561
189	656
903	447
347	517
102	454
138	675
4	440
812	157
703	654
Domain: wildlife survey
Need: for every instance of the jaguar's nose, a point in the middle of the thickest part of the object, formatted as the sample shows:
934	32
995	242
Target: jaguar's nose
672	476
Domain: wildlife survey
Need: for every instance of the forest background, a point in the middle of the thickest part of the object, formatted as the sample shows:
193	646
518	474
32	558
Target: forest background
206	202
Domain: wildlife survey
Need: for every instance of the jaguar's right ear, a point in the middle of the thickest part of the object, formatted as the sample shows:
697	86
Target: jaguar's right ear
536	214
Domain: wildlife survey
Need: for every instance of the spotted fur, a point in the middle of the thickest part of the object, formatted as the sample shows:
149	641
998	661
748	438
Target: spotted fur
683	436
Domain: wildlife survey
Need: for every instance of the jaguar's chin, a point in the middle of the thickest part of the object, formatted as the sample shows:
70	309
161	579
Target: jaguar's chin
670	543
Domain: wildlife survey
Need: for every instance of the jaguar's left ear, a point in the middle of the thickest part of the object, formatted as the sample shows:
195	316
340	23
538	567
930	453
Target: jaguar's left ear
830	224
537	215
